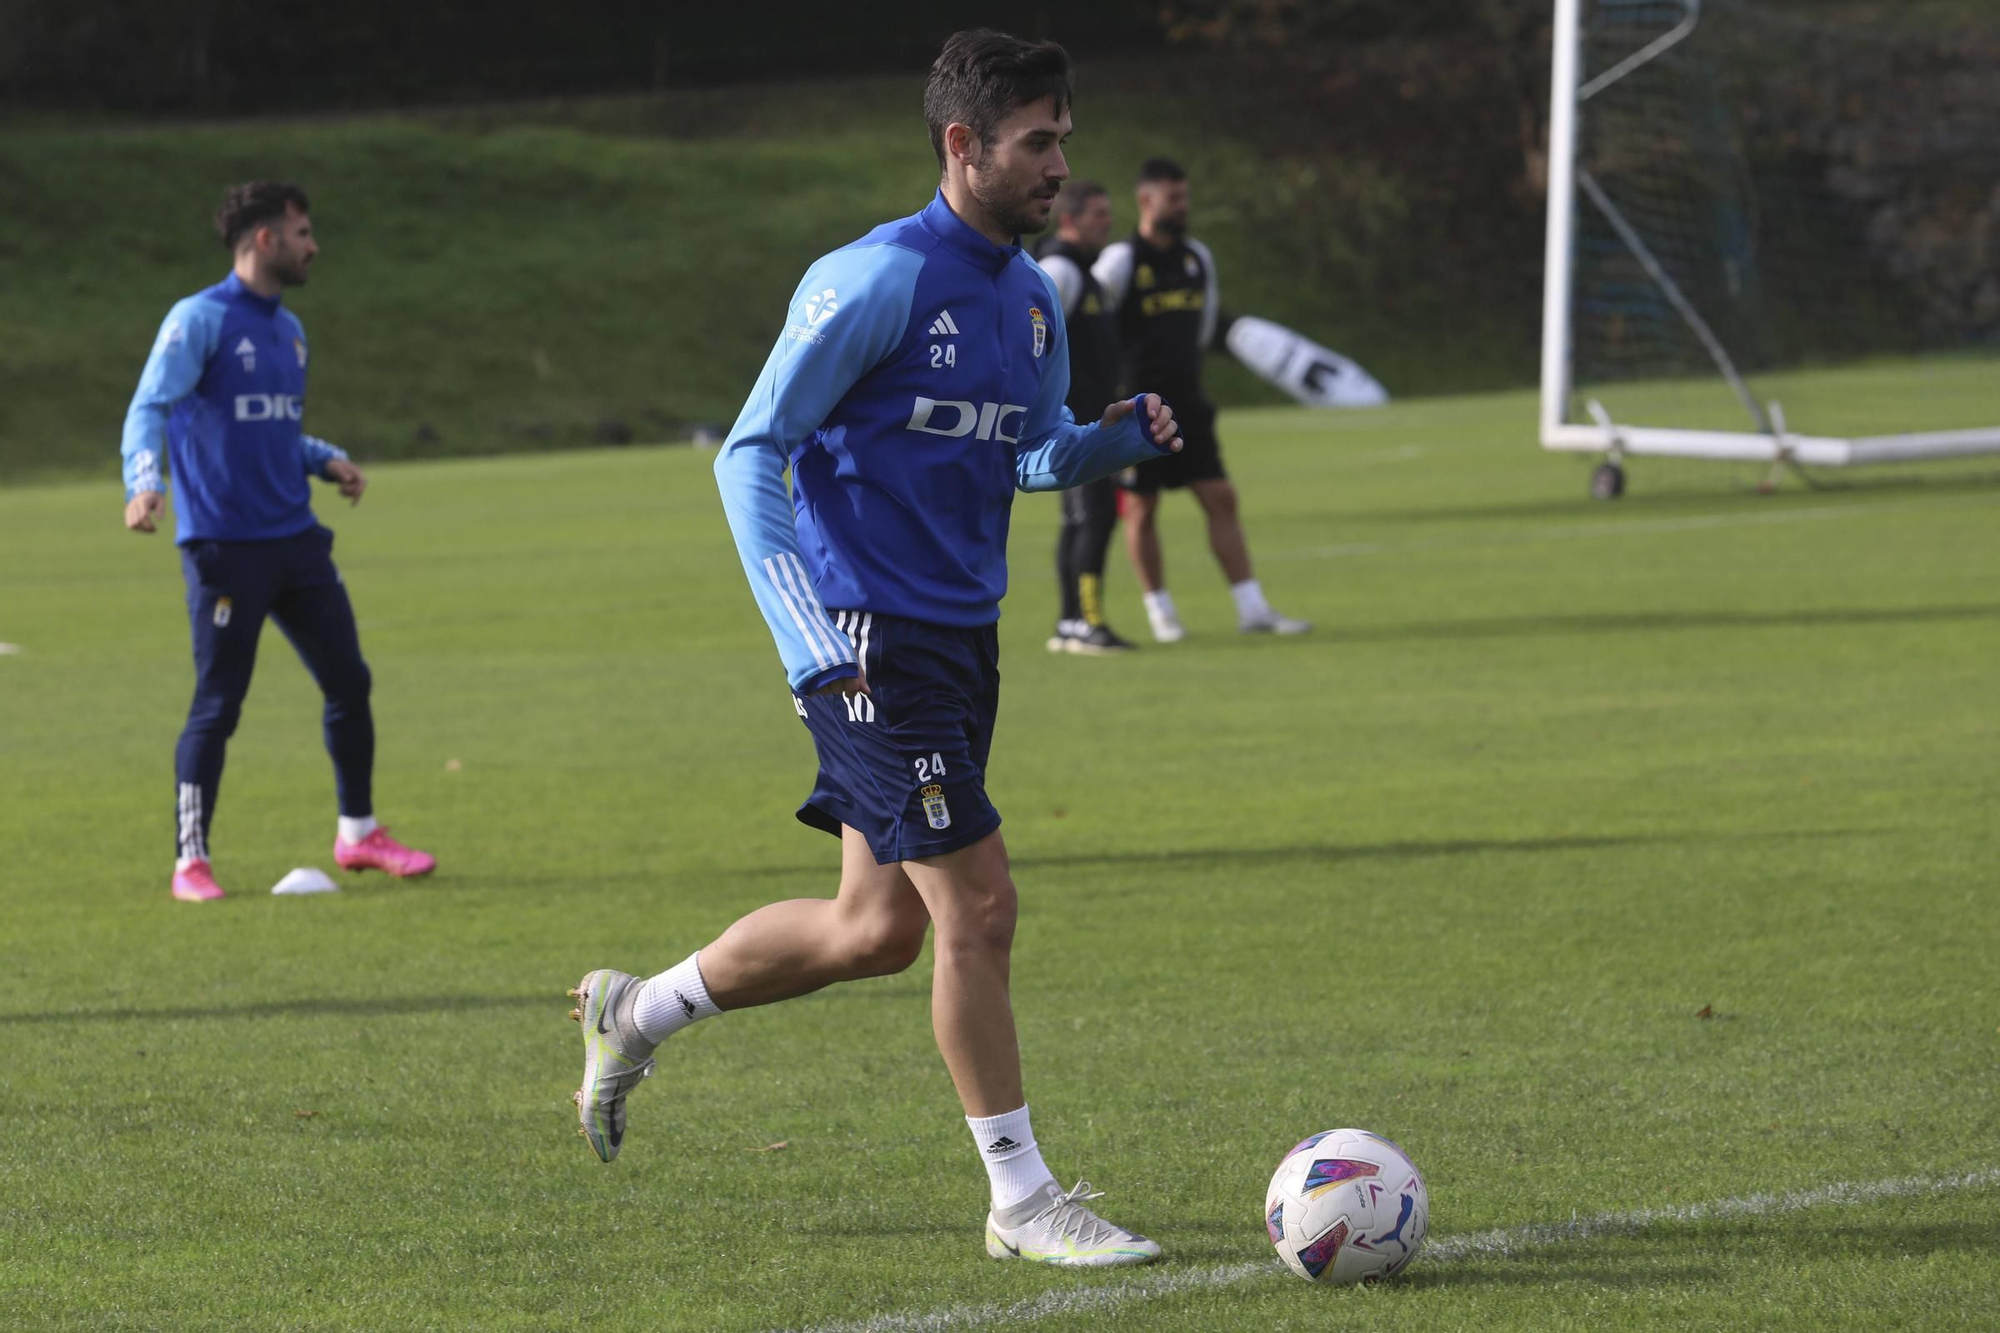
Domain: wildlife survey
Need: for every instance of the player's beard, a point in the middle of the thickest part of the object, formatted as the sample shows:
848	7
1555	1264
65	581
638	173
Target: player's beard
1021	216
1174	225
290	272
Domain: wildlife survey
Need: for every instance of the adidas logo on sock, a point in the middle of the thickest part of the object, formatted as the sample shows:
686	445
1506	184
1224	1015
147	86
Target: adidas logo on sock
942	327
1002	1144
687	1005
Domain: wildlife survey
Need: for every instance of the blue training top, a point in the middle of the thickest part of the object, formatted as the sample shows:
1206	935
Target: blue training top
919	381
226	386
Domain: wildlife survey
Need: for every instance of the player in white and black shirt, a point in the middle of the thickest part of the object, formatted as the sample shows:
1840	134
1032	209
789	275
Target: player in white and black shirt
1161	284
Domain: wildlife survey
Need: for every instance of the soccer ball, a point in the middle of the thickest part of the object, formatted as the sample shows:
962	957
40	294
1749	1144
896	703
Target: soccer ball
1347	1206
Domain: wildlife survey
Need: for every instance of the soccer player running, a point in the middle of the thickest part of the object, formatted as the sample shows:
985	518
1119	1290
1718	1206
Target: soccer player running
919	381
219	405
1089	511
1162	285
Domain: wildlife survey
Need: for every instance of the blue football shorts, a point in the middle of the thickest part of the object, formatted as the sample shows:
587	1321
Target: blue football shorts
905	764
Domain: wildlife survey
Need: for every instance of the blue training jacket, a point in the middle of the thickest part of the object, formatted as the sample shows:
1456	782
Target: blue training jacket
919	382
219	402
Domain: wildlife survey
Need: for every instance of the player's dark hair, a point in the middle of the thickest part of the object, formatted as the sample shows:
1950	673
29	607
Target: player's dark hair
250	205
982	75
1161	169
1076	196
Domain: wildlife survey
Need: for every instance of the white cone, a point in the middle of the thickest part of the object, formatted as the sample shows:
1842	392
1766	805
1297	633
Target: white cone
306	879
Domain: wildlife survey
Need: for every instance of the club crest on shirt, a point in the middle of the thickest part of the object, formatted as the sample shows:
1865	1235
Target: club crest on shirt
299	346
1193	269
1144	277
223	606
1040	324
936	813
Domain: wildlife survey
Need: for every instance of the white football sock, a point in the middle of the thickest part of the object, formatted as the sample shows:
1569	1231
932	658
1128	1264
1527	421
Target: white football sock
354	830
1160	605
672	1000
182	863
1014	1166
1250	603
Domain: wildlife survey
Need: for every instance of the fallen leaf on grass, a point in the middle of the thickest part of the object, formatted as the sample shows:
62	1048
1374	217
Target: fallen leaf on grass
1706	1011
772	1147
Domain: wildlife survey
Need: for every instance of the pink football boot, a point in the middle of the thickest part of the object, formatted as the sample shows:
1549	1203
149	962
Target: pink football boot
379	851
196	884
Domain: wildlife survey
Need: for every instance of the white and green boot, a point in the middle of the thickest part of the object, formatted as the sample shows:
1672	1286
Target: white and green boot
615	1056
1055	1228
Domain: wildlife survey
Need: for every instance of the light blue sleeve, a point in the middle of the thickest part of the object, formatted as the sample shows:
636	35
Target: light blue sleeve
319	453
1055	452
847	315
180	353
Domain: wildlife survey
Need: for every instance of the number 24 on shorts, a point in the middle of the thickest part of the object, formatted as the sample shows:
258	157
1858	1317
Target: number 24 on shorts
929	770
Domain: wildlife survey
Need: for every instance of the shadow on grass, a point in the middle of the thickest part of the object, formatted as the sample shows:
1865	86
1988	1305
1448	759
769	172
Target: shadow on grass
1323	852
1668	500
1524	627
1415	850
332	1006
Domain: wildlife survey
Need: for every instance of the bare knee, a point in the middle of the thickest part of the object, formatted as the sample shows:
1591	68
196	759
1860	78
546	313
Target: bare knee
883	943
1219	500
982	921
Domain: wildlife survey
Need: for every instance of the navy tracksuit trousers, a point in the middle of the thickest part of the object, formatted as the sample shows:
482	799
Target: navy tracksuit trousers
232	587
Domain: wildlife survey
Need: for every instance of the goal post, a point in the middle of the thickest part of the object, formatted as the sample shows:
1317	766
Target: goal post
1770	236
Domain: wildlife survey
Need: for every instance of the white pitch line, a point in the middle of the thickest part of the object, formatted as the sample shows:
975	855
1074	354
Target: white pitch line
1449	1250
952	1318
1483	1244
1637	527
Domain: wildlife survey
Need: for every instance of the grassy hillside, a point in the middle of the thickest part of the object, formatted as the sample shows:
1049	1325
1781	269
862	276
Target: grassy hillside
495	280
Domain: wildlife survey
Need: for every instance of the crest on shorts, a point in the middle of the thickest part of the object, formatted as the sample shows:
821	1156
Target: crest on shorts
223	606
936	813
1040	324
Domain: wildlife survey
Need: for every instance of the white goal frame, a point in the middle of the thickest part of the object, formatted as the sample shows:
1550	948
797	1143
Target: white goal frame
1767	441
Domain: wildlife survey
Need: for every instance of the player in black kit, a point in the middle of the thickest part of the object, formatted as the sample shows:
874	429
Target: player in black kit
1090	511
1161	285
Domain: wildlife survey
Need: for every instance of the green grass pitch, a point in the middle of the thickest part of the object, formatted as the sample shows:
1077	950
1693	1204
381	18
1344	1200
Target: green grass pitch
1465	866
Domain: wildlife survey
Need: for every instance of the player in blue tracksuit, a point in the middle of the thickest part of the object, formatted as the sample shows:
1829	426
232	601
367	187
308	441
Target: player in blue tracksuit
918	382
217	410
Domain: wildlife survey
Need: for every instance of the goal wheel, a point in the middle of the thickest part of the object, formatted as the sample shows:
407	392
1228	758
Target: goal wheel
1607	481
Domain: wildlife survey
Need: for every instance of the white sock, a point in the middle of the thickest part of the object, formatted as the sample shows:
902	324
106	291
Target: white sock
1250	603
1160	605
672	1000
182	863
354	830
1014	1166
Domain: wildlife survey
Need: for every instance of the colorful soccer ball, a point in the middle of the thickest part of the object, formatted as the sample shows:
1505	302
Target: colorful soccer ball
1347	1206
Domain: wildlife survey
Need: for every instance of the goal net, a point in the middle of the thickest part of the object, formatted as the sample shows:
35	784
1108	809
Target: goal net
1774	230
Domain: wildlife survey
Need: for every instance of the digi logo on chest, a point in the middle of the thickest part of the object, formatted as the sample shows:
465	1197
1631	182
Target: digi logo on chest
269	407
956	418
